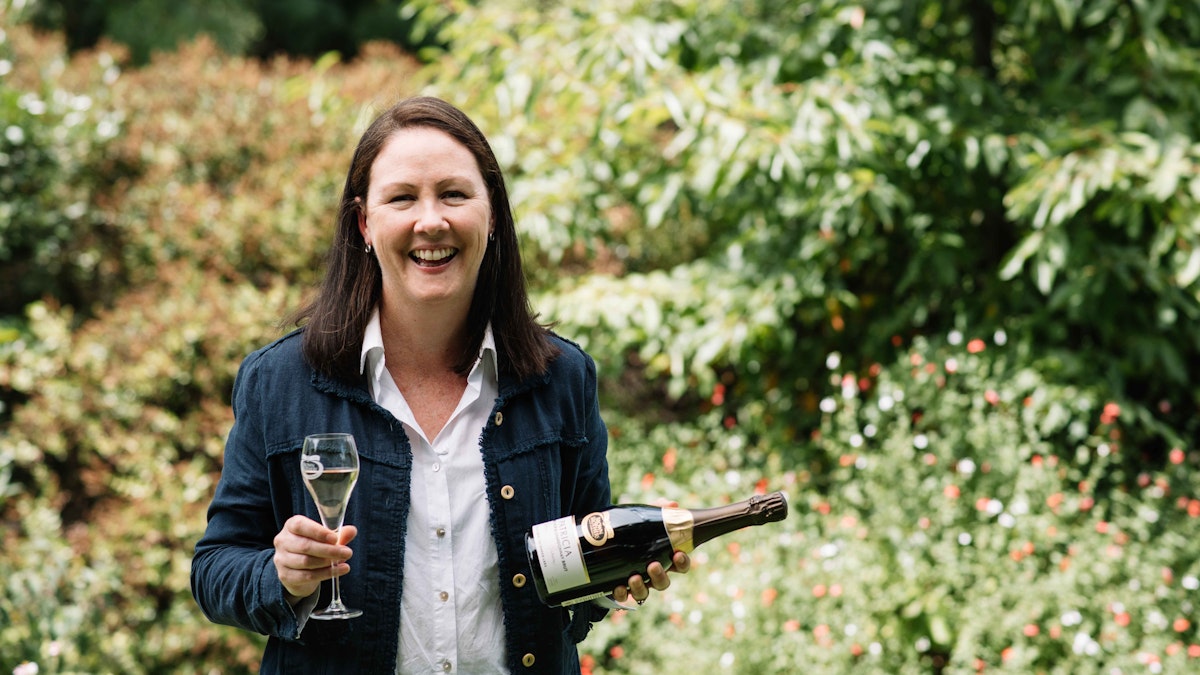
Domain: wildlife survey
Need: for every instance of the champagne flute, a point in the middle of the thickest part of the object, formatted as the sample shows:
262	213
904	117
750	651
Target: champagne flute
329	464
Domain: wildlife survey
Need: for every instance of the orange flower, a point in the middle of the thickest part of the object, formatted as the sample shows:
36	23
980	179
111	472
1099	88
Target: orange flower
1031	630
1176	455
1181	624
1110	413
670	457
768	596
975	346
791	625
760	488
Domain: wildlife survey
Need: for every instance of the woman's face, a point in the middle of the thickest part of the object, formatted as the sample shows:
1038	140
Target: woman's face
428	214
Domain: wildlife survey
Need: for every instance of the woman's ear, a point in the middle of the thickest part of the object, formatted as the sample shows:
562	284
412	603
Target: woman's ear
362	220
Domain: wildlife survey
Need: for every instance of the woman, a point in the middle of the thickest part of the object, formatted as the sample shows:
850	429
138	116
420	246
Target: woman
473	423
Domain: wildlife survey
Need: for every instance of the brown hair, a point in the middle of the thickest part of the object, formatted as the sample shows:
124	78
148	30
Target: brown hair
337	317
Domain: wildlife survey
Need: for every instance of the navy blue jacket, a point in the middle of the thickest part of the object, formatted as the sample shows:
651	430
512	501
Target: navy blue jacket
544	457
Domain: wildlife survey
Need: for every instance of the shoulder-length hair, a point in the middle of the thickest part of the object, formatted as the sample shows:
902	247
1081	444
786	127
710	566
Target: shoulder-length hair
336	319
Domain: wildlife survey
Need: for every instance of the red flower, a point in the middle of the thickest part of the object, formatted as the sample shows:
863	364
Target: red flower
1031	630
1110	414
975	346
1176	455
768	596
670	457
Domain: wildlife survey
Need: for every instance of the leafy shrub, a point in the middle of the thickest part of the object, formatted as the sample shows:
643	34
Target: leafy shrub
53	140
958	515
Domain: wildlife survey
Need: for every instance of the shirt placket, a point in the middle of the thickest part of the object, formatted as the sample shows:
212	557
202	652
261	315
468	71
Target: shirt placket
441	545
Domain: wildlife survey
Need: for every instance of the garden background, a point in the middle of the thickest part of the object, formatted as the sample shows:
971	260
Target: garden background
929	267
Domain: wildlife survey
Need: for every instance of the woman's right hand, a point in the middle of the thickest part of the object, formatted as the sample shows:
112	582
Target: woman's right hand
307	553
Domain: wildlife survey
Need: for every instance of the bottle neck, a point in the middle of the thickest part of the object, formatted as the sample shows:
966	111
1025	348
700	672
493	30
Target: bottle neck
716	521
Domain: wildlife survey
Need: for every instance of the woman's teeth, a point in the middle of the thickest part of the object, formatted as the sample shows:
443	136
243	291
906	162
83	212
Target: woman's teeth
437	255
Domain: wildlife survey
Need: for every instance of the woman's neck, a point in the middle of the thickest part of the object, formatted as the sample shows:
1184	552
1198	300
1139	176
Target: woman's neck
421	340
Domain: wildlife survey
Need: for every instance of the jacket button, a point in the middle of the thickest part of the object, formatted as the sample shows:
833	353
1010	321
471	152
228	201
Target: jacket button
507	492
499	418
519	580
527	660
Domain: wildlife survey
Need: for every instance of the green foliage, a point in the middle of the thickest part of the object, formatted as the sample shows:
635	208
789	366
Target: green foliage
52	156
230	23
250	27
956	514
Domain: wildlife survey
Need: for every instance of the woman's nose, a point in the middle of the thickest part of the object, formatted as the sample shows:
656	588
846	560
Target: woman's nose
429	216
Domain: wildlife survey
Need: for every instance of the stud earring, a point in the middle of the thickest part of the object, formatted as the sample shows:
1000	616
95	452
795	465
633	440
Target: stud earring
369	248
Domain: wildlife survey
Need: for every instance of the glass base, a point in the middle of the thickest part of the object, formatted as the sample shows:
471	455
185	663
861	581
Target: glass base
332	612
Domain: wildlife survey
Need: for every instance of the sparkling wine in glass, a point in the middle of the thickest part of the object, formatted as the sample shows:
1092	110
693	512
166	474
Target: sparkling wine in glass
329	464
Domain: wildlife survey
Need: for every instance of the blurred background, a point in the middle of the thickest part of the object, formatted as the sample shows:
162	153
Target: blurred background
929	267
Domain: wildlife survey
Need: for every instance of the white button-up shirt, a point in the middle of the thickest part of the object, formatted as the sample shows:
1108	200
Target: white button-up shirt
450	615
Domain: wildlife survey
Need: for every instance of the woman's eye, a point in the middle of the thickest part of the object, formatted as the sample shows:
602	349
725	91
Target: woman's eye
454	194
401	198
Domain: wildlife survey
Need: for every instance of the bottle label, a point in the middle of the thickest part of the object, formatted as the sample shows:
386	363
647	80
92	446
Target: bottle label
597	528
559	555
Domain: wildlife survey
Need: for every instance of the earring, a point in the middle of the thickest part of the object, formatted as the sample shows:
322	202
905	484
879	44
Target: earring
369	248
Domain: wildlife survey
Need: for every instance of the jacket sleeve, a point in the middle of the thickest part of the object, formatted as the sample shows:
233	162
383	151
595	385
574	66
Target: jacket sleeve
593	490
233	574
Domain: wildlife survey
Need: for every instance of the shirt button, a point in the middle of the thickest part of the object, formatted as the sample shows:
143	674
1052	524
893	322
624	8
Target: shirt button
441	531
507	492
519	580
499	418
436	467
527	660
446	667
444	596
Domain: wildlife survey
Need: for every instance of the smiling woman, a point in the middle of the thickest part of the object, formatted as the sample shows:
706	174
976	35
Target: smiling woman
472	421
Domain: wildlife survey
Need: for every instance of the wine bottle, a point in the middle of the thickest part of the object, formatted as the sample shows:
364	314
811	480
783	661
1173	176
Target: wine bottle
574	559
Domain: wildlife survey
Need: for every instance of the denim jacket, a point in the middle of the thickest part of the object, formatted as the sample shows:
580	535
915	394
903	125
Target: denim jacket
544	457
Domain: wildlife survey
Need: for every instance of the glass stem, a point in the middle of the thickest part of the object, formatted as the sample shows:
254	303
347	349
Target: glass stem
336	602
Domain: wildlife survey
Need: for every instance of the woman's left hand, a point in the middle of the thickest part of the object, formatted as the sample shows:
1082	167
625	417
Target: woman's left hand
659	579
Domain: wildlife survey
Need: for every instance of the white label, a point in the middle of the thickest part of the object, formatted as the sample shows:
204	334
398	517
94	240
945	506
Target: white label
559	555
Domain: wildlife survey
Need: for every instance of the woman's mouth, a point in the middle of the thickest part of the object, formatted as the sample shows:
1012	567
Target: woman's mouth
433	257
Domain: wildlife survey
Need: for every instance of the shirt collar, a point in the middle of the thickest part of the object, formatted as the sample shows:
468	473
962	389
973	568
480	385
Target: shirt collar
372	347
